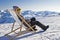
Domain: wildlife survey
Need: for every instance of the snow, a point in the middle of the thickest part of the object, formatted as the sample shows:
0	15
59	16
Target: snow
53	33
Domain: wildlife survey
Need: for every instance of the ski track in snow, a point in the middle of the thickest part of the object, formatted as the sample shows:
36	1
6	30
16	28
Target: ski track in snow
53	33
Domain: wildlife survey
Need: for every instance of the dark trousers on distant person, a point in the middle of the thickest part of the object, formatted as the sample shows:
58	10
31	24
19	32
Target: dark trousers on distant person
34	22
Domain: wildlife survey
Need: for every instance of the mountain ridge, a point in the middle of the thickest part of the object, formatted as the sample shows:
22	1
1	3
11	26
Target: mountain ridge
5	16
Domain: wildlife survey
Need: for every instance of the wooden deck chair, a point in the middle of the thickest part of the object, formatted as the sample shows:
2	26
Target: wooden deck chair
15	16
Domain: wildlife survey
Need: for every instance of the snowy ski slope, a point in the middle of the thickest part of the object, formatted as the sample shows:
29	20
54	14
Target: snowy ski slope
53	33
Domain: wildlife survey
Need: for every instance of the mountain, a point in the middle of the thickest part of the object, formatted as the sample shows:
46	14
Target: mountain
40	13
5	16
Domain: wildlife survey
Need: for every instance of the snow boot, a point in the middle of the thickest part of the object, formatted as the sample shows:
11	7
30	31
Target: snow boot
46	28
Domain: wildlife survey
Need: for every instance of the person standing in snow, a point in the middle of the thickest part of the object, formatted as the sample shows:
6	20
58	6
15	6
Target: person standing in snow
32	22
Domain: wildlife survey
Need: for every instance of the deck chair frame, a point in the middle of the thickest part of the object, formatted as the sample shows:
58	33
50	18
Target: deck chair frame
23	20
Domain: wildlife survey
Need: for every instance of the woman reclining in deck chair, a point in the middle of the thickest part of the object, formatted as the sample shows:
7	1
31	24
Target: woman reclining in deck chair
32	21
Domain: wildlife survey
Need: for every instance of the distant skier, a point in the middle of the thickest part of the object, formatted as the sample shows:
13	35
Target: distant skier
33	22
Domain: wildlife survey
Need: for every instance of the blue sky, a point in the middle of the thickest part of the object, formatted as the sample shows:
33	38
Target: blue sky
35	5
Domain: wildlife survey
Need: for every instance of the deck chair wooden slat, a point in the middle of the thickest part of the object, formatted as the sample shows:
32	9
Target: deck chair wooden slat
25	22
